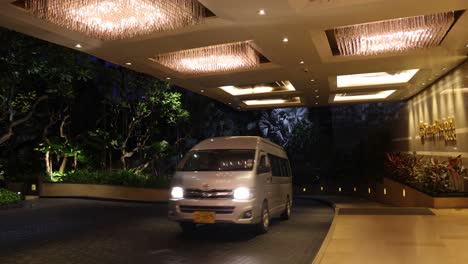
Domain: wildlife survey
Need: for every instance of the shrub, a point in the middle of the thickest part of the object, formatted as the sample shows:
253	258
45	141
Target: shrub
120	178
429	175
7	197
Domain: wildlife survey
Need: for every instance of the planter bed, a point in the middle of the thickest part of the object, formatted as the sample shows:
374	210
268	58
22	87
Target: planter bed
399	194
104	192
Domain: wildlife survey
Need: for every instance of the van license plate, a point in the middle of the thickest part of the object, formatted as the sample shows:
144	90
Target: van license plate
204	217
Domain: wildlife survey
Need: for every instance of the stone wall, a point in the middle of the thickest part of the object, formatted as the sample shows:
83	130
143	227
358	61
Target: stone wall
446	97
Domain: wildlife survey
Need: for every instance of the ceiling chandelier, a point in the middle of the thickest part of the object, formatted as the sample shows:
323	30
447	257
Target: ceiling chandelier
218	58
396	35
118	19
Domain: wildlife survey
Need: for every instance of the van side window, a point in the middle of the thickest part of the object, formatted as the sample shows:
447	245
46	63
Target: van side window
262	165
279	166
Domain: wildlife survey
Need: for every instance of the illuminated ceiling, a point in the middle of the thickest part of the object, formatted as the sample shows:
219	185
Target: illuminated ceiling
263	54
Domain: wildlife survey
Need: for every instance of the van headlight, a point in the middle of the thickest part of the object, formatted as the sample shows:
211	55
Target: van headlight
242	193
177	192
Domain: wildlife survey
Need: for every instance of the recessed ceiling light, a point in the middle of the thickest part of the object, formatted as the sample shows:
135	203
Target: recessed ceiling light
261	12
423	83
363	97
128	63
281	86
78	46
202	91
294	100
168	78
316	103
316	91
229	103
312	80
301	62
285	40
375	78
317	96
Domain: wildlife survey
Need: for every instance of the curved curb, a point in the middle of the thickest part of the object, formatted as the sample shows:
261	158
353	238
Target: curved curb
326	242
104	199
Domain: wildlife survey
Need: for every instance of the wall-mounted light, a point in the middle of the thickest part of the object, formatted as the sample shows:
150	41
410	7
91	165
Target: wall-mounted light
404	193
385	191
454	90
261	12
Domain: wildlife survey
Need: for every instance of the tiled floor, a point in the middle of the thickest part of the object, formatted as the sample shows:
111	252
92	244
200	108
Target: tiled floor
84	231
441	238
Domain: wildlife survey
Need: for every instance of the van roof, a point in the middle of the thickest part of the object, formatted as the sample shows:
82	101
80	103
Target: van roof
234	142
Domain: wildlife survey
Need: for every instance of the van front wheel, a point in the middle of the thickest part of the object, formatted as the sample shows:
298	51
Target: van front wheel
287	211
264	224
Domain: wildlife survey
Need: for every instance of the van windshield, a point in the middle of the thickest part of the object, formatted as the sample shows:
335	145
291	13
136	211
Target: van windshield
218	160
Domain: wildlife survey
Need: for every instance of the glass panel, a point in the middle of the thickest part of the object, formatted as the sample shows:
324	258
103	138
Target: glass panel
218	160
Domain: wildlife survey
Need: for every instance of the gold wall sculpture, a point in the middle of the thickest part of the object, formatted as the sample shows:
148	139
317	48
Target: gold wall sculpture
440	130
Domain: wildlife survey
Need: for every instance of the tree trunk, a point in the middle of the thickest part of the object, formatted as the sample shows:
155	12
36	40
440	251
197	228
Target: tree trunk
75	160
9	130
110	160
48	163
63	166
123	161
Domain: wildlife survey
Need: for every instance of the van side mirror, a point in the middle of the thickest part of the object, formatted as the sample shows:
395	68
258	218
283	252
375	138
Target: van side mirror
263	169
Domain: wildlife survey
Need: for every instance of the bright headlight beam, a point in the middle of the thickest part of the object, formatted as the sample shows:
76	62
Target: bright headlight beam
177	192
242	193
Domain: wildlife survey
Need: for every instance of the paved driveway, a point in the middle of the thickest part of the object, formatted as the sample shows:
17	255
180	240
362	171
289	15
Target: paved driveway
86	231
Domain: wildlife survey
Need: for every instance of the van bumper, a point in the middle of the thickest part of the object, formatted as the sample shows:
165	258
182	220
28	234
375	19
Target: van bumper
227	211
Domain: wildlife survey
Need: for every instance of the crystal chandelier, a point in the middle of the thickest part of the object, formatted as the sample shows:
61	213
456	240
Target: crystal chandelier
118	19
396	35
218	58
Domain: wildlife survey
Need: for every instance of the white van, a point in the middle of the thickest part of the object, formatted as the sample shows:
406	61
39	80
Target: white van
240	180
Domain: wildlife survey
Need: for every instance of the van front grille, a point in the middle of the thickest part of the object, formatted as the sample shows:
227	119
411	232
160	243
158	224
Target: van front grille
208	194
216	209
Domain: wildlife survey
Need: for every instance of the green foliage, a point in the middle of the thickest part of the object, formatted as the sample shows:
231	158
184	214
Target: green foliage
430	175
8	197
119	178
